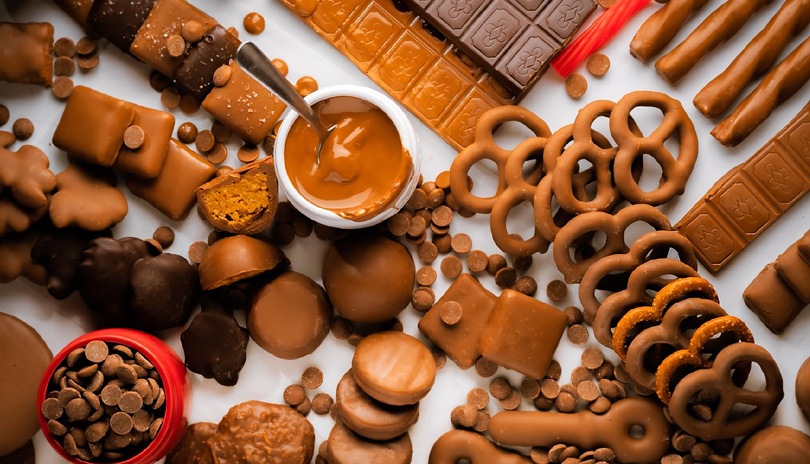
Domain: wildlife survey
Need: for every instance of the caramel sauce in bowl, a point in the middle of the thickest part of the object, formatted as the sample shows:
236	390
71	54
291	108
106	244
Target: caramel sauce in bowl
369	166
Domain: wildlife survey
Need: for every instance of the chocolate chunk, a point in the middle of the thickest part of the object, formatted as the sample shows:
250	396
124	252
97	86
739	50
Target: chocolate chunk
165	289
216	48
119	20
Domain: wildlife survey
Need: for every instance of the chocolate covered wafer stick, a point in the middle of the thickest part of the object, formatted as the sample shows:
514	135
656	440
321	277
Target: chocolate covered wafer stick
755	59
777	87
661	27
714	30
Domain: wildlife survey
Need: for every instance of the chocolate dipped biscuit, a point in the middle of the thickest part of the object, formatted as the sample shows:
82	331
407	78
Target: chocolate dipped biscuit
368	417
777	444
660	28
261	432
164	291
290	316
237	258
192	447
346	447
25	53
119	20
25	175
243	201
369	277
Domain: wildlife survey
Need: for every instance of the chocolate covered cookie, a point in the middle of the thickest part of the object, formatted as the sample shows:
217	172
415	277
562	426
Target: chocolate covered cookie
346	447
165	289
192	446
60	252
370	418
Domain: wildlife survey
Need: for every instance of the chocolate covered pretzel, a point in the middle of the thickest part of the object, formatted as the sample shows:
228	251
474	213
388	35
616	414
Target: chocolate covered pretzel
660	28
725	422
613	271
776	88
720	26
757	58
613	226
458	445
587	430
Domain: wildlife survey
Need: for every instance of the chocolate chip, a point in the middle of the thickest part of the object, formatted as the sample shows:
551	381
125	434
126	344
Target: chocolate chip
578	334
478	397
52	409
62	87
539	455
154	428
483	421
442	242
600	406
439	358
557	290
505	277
127	374
423	299
196	251
435	198
67	395
96	431
23	129
4	114
417	227
426	276
294	395
592	358
341	328
418	199
88	371
121	423
305	407
521	263
580	374
64	47
495	263
170	98
86	46
442	216
530	388
427	252
141	420
574	315
511	402
193	31
57	428
218	154
64	66
550	389
78	409
451	267
500	388
476	261
543	404
322	403
74	357
450	312
248	154
134	137
565	402
598	64
88	62
464	416
399	224
312	378
461	243
588	391
130	402
485	368
576	85
526	285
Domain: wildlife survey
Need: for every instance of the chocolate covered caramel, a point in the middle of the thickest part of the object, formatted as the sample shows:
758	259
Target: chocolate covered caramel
363	165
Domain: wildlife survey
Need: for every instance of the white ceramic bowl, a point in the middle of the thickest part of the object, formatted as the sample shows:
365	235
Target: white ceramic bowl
409	140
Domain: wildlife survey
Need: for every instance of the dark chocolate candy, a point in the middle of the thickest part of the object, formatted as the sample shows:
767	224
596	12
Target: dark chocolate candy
214	344
514	40
165	289
196	74
119	20
60	251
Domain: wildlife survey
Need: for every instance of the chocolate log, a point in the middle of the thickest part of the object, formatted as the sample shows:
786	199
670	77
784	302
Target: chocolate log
662	26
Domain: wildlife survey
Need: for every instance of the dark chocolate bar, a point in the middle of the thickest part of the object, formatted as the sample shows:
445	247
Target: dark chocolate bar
513	40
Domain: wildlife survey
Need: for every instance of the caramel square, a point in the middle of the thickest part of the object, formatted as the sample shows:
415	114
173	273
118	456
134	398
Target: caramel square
25	53
244	106
174	191
460	341
522	334
165	20
92	126
146	161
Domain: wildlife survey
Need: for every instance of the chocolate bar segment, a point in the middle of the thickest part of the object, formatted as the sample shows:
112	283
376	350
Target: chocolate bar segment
513	40
119	20
196	74
751	197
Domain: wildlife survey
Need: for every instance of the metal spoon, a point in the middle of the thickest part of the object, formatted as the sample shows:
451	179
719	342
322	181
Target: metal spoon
255	62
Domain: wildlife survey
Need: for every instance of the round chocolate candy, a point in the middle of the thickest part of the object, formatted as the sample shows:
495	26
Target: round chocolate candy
369	278
290	316
370	418
236	258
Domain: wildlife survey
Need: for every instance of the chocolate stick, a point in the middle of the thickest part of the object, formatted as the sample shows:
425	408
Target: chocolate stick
661	27
777	87
755	59
714	30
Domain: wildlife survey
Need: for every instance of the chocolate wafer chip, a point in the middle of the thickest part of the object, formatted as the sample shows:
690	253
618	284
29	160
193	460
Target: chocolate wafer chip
485	368
294	395
478	397
557	290
312	378
134	137
592	358
578	334
461	243
451	312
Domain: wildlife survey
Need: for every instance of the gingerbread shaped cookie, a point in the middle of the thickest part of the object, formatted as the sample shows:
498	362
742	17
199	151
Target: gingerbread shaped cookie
25	173
87	199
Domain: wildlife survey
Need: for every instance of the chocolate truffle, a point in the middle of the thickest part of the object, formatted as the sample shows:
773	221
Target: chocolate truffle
192	446
368	417
346	447
60	251
165	289
778	444
23	363
803	388
262	432
369	278
236	258
394	368
214	344
290	316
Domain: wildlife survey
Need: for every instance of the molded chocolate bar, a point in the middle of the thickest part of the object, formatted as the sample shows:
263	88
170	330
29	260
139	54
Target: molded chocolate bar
424	73
751	197
514	40
782	290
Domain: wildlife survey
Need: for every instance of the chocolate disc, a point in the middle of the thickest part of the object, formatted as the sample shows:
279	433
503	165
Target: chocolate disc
394	368
346	447
24	360
370	418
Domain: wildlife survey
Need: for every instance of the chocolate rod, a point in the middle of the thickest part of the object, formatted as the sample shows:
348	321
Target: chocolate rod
777	87
757	58
660	28
714	30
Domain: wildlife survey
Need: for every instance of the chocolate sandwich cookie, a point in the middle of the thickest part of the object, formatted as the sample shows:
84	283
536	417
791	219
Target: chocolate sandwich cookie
369	278
346	447
192	447
290	316
370	418
24	360
237	258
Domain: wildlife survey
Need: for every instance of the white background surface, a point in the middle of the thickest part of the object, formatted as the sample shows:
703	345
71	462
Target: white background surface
265	377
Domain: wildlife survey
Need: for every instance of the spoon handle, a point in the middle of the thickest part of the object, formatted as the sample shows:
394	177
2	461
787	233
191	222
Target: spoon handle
255	62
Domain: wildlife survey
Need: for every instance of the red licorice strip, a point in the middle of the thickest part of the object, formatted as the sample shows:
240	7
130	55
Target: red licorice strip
597	35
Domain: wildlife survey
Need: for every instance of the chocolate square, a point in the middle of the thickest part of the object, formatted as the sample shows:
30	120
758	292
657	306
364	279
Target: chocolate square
92	126
495	29
146	161
166	20
174	191
460	341
522	334
196	74
119	20
244	106
25	53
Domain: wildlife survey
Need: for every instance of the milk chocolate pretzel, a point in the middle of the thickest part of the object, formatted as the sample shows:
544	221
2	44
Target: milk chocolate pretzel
757	58
485	148
612	272
639	358
587	430
692	356
458	445
777	87
720	26
660	28
681	289
637	294
614	227
719	378
675	172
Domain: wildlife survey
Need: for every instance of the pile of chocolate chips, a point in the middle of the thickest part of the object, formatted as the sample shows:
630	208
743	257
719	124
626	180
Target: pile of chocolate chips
106	403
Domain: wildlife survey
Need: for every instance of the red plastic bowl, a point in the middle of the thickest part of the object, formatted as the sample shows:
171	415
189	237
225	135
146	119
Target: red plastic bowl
173	375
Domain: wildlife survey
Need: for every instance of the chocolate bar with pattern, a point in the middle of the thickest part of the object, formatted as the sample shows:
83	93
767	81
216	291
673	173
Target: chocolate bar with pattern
751	197
514	40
